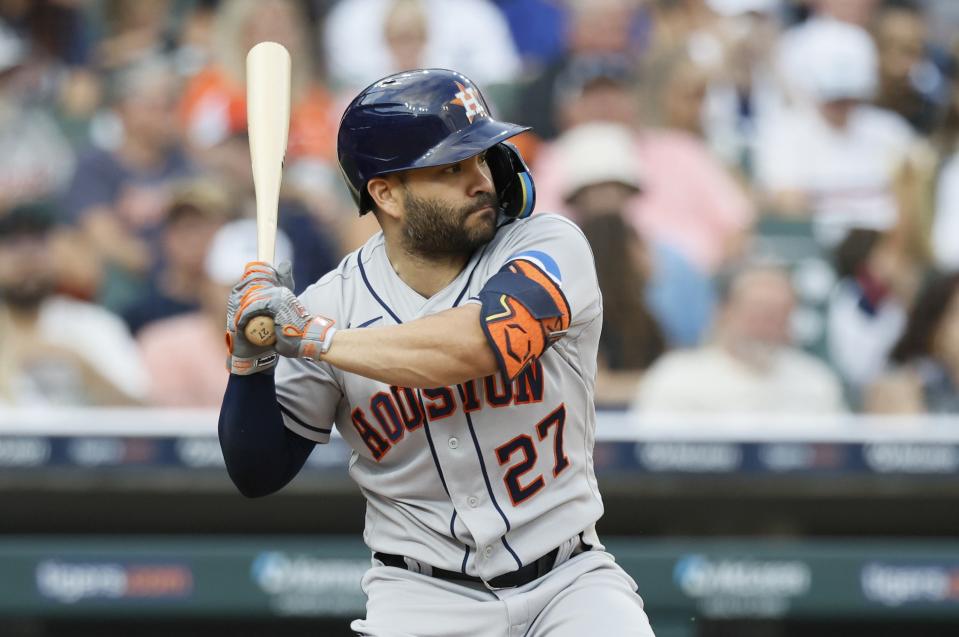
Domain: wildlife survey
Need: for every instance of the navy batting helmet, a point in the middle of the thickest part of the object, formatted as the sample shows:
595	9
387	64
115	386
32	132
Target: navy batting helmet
425	118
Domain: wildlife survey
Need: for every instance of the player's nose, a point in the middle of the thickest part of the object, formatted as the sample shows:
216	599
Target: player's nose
480	177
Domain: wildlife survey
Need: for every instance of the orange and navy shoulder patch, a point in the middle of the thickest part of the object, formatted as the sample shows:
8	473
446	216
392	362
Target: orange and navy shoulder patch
524	311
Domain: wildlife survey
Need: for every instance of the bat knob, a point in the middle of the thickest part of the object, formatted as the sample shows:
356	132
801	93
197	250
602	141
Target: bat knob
260	331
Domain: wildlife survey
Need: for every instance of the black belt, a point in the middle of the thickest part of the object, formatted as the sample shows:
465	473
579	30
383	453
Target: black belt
519	577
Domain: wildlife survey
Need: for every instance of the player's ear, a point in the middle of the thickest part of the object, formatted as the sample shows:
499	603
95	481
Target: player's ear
384	192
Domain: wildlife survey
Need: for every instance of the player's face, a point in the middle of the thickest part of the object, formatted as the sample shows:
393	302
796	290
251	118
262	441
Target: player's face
451	209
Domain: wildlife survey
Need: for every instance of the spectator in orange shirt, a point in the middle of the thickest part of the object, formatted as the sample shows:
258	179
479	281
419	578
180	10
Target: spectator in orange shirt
214	102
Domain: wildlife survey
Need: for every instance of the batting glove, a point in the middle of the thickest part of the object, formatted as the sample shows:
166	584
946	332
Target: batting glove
258	278
299	334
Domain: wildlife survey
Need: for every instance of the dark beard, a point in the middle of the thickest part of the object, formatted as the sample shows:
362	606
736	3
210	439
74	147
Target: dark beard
434	229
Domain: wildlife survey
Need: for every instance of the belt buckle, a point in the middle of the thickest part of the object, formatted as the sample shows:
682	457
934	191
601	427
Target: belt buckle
492	588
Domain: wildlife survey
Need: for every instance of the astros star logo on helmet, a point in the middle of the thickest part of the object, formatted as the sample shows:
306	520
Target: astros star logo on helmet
468	99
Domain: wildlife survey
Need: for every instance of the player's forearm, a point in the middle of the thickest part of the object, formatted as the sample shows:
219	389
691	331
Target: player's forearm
435	351
261	454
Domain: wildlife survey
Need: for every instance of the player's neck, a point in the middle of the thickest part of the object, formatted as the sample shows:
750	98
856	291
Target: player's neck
426	275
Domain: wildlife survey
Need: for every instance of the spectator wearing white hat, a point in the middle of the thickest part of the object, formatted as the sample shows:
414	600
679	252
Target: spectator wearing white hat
833	160
198	336
601	174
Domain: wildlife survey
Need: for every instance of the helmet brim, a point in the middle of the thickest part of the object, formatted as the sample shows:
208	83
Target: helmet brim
482	135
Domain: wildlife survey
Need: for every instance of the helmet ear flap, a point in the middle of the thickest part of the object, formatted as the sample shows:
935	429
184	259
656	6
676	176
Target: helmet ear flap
513	180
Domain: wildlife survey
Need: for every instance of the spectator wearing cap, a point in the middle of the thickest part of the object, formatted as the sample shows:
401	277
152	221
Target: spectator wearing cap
197	336
834	160
56	350
198	209
689	200
923	376
751	366
801	40
601	177
118	196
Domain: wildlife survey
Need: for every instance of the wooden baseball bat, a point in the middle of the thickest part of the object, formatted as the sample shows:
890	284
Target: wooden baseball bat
268	124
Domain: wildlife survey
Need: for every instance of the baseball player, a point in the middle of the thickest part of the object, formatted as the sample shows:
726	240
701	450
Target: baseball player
456	353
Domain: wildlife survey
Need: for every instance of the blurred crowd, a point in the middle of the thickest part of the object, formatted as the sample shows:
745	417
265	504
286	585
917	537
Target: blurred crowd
770	187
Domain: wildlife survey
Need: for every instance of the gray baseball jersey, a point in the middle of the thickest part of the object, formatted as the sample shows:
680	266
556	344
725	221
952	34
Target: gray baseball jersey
481	477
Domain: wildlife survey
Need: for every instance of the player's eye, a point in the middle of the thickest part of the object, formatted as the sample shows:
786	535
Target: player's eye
482	157
452	169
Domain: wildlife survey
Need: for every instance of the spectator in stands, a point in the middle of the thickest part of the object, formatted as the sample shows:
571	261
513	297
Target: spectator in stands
752	365
632	338
924	374
37	159
796	43
601	178
470	36
910	82
214	100
197	211
687	24
676	89
834	162
596	31
55	350
118	196
867	307
689	199
744	87
198	336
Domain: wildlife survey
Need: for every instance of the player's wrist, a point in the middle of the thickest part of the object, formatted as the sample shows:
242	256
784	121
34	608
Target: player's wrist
312	341
246	365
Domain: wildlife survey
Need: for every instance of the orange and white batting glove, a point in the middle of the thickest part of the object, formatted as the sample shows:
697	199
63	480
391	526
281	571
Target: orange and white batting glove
299	334
243	356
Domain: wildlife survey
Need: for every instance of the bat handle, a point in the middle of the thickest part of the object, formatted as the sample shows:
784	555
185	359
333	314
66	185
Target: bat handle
260	331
